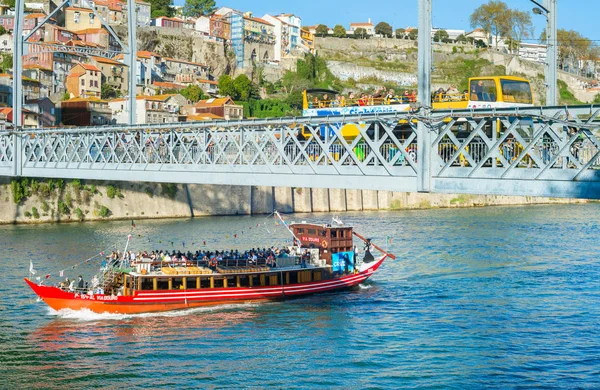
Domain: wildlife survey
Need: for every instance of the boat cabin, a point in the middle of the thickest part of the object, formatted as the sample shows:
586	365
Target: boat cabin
332	241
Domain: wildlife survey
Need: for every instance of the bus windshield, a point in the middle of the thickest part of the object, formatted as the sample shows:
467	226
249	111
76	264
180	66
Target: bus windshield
514	91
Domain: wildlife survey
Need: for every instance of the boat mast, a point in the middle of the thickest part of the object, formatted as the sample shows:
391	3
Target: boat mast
288	229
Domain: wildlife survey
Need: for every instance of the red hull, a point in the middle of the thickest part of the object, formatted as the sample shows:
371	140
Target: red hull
156	301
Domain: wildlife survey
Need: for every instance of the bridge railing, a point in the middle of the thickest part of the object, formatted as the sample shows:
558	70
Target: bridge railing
551	144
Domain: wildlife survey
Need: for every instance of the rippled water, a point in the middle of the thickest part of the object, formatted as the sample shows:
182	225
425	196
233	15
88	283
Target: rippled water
490	297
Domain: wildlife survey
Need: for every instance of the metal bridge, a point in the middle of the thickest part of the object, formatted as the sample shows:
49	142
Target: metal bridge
537	151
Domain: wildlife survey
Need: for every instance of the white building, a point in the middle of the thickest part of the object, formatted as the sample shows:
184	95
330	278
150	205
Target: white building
478	34
295	25
149	109
369	28
452	34
532	52
282	36
202	25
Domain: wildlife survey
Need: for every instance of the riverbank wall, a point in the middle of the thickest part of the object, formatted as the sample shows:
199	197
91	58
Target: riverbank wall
49	201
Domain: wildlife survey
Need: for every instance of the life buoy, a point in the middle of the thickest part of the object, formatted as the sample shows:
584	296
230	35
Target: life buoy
324	244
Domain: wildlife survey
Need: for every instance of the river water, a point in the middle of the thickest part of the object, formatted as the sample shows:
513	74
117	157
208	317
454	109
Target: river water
486	297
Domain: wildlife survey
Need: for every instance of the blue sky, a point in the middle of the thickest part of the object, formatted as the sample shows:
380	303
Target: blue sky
582	17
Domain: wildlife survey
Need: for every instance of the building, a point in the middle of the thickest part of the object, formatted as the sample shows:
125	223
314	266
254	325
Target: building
221	107
258	41
42	75
452	33
29	119
181	71
7	42
77	19
6	90
8	22
143	13
90	111
45	110
368	27
210	87
532	52
202	25
84	80
149	109
282	36
478	35
166	22
113	72
33	20
295	26
307	41
220	27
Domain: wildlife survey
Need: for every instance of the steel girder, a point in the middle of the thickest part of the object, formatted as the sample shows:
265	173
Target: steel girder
529	151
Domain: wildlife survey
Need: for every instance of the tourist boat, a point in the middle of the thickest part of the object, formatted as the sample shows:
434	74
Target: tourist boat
324	259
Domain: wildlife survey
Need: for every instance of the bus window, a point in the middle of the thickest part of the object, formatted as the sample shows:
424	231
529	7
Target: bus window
483	90
515	91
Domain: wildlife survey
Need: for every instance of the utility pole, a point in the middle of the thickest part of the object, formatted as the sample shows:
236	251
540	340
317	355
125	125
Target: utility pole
131	59
551	52
425	62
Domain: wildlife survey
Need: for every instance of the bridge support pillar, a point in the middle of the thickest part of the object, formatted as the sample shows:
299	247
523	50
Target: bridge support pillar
425	62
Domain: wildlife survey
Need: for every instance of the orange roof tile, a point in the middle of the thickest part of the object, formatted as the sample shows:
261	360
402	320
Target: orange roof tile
89	67
106	61
183	61
218	102
208	82
164	84
259	20
35	15
203	117
78	9
91	31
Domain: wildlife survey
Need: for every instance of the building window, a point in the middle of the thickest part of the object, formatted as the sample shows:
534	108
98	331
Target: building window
92	16
82	82
96	83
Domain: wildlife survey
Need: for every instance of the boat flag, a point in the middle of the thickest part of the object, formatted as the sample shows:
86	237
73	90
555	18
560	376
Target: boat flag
129	237
132	223
235	236
47	276
389	239
31	270
62	273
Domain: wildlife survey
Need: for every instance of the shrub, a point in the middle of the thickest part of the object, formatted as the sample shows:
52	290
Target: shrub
35	213
93	189
69	199
79	214
27	214
103	212
17	191
149	192
111	192
44	190
63	209
34	186
76	184
45	207
169	189
85	196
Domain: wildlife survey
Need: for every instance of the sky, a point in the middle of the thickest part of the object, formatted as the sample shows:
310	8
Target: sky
449	14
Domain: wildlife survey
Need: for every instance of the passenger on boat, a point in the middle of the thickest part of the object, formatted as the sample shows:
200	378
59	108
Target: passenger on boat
305	259
72	286
80	282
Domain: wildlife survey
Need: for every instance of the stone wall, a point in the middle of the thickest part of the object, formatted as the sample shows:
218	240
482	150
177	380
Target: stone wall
71	201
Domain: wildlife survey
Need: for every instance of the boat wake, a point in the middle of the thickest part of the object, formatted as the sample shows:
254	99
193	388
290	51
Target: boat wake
86	315
365	286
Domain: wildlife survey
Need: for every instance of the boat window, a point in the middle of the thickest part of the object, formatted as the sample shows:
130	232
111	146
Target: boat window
162	284
334	233
300	230
323	233
312	231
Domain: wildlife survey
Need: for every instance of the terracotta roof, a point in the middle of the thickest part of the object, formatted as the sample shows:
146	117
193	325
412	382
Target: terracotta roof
91	31
203	81
361	24
172	19
106	61
259	20
203	117
88	99
36	66
164	84
89	67
77	74
35	15
214	102
5	75
158	98
79	9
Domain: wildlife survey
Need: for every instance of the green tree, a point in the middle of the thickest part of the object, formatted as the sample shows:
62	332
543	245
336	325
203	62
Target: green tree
413	34
195	8
339	31
360	33
519	27
2	30
384	29
322	30
7	62
461	38
161	8
493	18
441	36
108	91
10	3
400	33
243	87
226	86
192	93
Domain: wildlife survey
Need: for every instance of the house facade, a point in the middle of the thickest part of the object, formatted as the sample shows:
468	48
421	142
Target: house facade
89	111
84	80
221	107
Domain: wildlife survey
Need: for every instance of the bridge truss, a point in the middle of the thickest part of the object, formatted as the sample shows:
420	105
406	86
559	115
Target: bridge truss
542	151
